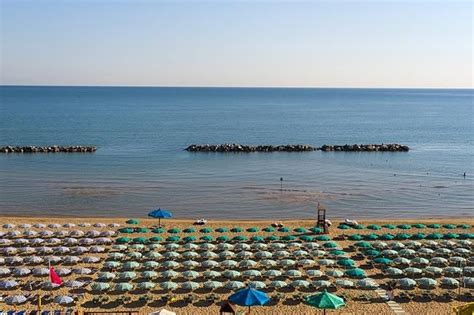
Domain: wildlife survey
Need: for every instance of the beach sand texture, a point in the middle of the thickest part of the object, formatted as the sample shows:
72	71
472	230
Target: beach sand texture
285	306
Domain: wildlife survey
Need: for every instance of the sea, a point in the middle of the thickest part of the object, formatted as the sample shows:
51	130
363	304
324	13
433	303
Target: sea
140	163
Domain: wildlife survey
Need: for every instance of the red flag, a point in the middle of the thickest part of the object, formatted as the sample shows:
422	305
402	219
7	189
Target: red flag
54	276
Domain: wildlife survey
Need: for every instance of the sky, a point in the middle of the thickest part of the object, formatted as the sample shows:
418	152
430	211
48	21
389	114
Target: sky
237	43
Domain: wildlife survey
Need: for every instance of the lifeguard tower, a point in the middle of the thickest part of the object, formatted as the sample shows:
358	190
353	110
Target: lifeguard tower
322	219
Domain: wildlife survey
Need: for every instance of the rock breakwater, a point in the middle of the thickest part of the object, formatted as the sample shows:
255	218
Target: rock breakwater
249	148
392	147
233	147
49	149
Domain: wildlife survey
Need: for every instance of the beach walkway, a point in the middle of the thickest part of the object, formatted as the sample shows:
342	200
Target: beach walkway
394	306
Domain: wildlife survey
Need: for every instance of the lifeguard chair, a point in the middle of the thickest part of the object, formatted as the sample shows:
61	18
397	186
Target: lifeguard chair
322	219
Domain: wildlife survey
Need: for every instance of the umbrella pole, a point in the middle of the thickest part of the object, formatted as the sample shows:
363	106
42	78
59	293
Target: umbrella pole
159	222
249	309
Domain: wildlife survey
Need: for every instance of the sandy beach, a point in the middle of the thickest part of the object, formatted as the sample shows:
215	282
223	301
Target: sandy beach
358	301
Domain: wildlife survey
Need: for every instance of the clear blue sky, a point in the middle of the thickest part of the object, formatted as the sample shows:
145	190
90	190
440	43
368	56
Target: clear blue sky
237	43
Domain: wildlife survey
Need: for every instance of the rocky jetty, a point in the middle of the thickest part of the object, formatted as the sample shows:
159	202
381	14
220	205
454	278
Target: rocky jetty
249	148
392	147
50	149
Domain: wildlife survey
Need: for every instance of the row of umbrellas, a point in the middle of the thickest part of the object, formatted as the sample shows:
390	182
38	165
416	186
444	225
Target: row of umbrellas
20	299
377	227
57	226
53	242
420	261
414	244
15	234
429	283
9	251
408	236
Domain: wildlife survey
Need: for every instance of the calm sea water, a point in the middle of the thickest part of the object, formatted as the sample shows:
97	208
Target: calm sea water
140	163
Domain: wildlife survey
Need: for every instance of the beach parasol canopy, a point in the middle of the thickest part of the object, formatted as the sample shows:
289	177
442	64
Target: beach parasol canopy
249	297
449	282
8	284
15	299
160	214
391	271
355	273
251	273
123	287
325	300
321	284
367	283
145	285
100	286
132	221
234	285
63	300
257	285
427	283
212	284
344	283
278	284
406	283
335	273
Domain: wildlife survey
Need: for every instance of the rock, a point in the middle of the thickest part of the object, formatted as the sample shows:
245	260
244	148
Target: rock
365	148
52	149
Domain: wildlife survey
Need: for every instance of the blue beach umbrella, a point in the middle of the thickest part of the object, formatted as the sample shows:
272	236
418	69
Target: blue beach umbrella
249	297
160	214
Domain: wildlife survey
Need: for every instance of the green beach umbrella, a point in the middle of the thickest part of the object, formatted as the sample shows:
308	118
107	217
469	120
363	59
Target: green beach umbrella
434	236
404	226
223	238
355	273
207	238
257	239
272	238
330	245
337	252
236	230
316	230
371	237
466	236
173	238
374	227
132	221
288	238
389	226
347	262
344	227
355	237
189	230
127	230
174	231
307	238
123	287
158	230
222	230
189	239
450	236
325	300
239	238
449	226
372	253
402	236
464	226
434	226
206	230
363	244
322	238
418	236
284	230
387	237
300	230
359	227
140	240
252	229
141	230
123	240
269	229
419	226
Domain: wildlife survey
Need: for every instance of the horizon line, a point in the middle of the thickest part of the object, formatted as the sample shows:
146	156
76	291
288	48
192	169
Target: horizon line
233	86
